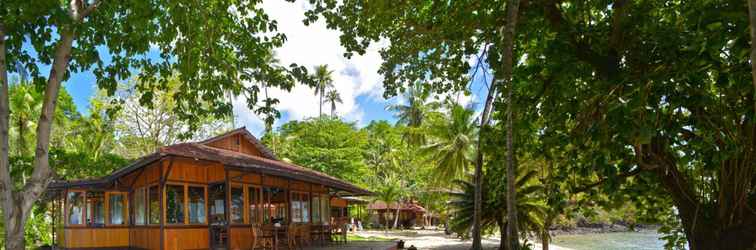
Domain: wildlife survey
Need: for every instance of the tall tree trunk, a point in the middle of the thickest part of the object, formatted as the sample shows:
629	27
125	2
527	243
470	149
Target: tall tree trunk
17	205
396	218
513	7
478	202
545	237
6	185
320	104
752	20
502	233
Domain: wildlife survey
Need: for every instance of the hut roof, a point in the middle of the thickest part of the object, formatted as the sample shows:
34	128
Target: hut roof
409	206
268	164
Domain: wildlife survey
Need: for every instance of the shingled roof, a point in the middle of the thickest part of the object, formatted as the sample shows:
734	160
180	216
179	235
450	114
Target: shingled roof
267	164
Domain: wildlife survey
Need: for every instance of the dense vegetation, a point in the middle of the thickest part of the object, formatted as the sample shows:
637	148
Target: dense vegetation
642	107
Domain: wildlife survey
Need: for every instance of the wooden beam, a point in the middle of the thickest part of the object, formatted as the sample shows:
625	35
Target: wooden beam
227	209
131	186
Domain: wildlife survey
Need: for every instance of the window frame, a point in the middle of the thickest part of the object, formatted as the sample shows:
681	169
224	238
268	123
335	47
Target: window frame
90	205
244	218
298	197
148	214
188	219
126	209
135	208
184	196
82	220
258	205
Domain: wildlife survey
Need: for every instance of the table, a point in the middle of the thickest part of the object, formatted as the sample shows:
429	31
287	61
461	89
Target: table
275	231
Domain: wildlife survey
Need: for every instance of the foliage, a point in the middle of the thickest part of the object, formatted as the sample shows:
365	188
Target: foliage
333	97
141	130
324	144
649	102
451	142
413	113
323	80
530	205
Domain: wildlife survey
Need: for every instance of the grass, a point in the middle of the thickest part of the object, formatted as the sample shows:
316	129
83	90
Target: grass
352	237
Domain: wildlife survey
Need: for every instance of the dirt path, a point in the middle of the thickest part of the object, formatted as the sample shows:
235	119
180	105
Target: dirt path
437	240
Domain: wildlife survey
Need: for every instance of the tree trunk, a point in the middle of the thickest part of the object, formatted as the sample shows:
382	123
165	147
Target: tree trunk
545	237
320	104
478	202
502	234
396	218
752	20
513	7
17	206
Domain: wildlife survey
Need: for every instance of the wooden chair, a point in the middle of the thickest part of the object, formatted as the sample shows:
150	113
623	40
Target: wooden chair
260	239
291	237
304	235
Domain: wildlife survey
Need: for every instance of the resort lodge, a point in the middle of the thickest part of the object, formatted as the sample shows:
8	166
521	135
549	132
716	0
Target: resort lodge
213	194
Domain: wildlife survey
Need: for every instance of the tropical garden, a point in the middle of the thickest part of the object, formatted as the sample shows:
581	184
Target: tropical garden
640	111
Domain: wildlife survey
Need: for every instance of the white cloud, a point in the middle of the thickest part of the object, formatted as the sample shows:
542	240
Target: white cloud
310	46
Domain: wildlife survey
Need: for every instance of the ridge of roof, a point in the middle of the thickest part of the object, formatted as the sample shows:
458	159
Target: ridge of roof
247	135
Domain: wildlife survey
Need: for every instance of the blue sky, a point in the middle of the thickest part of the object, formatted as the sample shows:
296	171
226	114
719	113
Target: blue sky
356	79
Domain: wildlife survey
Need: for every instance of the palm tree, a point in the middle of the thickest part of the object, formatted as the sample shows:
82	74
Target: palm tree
390	191
451	146
413	113
530	207
333	97
323	81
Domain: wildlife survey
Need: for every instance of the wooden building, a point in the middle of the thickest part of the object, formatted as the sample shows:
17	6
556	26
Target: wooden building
202	195
411	214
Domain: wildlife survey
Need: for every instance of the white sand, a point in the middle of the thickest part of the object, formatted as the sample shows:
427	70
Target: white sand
437	240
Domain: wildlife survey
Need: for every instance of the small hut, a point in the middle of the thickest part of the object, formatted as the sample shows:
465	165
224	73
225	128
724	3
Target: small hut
199	195
411	214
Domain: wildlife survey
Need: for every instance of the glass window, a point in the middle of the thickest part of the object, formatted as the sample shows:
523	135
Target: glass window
174	204
237	205
296	207
153	205
217	204
96	208
325	209
75	207
316	208
274	206
118	209
305	203
139	207
254	201
196	205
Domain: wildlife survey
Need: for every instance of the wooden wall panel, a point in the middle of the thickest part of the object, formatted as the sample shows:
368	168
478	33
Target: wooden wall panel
336	202
240	238
187	238
247	147
96	237
188	170
275	182
299	186
319	189
242	177
228	143
215	173
145	237
151	174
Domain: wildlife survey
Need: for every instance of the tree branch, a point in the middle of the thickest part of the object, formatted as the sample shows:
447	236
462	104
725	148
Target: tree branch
624	175
606	66
6	184
41	175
